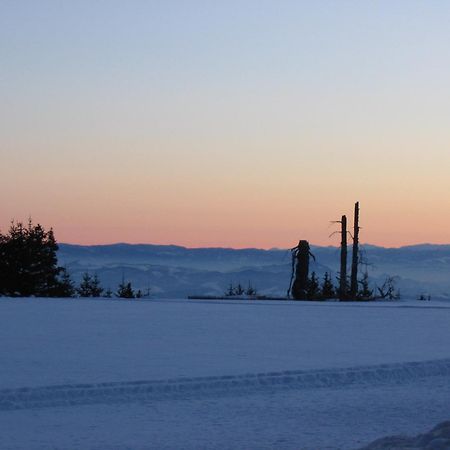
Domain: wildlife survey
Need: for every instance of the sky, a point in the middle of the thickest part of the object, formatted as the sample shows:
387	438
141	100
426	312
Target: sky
236	124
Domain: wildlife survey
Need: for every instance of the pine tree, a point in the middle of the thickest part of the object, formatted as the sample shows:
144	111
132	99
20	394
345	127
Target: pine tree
313	289
90	286
85	286
250	291
66	287
365	293
28	261
327	288
125	290
239	290
96	288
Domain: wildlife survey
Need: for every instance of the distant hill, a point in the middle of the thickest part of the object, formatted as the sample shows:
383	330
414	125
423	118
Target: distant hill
175	271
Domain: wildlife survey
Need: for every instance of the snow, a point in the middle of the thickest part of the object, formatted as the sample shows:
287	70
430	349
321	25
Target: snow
219	374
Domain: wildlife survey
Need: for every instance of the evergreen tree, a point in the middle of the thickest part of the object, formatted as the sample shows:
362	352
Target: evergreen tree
66	287
90	286
251	291
313	288
108	293
239	290
365	293
28	262
125	290
327	288
96	288
85	286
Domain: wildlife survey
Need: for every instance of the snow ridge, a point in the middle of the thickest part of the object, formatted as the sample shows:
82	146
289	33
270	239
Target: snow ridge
152	390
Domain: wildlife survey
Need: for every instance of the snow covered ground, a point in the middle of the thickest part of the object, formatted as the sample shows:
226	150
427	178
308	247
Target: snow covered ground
114	374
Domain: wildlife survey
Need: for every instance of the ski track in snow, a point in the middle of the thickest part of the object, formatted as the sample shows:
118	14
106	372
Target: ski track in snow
198	387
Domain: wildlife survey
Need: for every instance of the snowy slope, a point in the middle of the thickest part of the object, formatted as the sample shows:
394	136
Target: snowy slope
97	374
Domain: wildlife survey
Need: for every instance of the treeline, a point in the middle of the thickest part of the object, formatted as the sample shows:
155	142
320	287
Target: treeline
29	267
325	289
90	286
239	290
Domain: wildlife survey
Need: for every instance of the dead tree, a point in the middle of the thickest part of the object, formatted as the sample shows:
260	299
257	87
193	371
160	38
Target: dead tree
355	255
300	270
343	272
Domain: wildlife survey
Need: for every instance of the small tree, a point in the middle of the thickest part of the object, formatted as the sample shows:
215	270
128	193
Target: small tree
90	286
250	291
108	293
327	288
65	287
388	289
230	291
365	293
313	289
84	289
96	288
125	290
239	290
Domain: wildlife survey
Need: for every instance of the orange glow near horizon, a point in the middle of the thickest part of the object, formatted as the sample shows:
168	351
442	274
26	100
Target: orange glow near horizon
214	124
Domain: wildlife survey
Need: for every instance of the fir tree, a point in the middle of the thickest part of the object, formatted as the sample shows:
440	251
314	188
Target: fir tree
96	288
327	288
28	261
125	290
66	287
239	290
250	291
85	286
313	289
365	293
90	286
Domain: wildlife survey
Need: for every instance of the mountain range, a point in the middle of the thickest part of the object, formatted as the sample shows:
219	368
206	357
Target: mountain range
173	271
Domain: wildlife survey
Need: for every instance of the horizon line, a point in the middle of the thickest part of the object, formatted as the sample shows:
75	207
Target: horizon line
366	244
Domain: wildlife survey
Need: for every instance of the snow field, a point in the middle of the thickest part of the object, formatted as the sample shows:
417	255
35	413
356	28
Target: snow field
122	392
97	374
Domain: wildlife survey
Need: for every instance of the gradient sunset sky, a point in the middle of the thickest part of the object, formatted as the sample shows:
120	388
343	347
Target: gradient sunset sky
231	123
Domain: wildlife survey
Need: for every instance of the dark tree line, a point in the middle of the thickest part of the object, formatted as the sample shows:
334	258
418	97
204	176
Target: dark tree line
29	267
239	290
325	289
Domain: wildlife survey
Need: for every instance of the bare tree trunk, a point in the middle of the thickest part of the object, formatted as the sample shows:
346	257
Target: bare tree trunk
343	273
300	255
355	255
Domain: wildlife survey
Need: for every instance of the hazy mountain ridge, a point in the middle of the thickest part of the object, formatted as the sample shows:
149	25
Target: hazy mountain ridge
174	271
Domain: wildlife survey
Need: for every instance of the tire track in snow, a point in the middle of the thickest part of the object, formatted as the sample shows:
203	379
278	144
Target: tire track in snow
198	387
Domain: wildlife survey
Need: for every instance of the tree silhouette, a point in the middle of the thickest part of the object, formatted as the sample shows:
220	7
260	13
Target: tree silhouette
327	288
28	262
90	286
312	287
125	290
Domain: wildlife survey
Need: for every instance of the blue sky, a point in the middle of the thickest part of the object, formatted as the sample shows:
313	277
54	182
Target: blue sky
118	118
